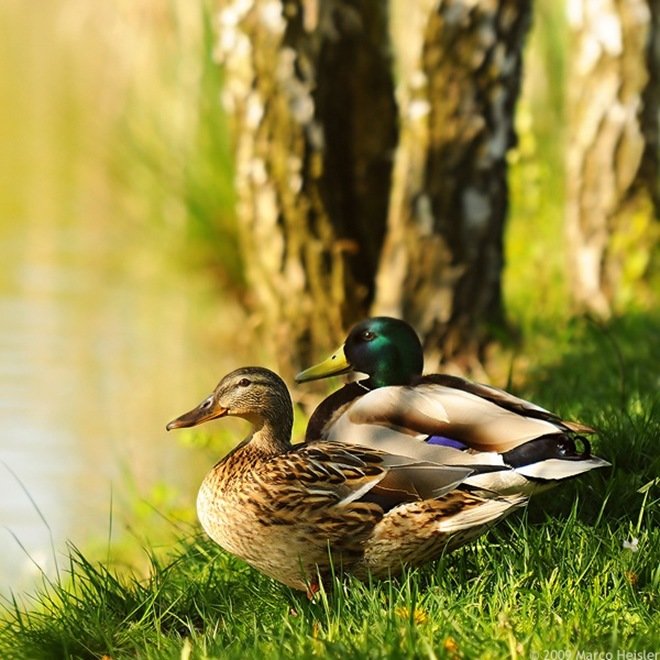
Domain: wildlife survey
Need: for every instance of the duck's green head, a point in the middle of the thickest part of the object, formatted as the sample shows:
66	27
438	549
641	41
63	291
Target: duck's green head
388	350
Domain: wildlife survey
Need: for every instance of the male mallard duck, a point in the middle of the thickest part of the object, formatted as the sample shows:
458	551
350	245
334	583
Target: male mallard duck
295	512
442	418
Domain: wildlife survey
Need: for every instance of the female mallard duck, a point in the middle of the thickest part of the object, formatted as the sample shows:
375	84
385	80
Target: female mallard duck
442	418
297	512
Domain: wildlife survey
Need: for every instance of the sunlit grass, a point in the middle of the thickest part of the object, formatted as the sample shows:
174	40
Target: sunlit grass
566	583
535	284
578	570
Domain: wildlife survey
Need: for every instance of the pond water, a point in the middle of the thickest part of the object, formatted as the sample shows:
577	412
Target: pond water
100	345
104	334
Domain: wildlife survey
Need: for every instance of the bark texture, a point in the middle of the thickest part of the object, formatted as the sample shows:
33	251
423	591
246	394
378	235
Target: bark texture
651	109
612	157
460	68
354	199
310	93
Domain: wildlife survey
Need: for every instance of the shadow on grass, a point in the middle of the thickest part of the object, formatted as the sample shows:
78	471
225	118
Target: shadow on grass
608	376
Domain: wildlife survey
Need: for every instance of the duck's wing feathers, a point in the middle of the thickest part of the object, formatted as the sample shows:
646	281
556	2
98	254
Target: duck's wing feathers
433	408
505	400
342	475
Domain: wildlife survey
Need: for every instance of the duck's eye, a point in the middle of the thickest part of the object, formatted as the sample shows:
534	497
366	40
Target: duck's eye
244	382
367	335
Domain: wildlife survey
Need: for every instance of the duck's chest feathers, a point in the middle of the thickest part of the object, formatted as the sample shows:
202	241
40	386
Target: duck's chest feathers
229	505
240	513
283	515
331	409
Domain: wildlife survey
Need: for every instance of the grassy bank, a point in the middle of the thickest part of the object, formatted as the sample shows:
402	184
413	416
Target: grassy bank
577	571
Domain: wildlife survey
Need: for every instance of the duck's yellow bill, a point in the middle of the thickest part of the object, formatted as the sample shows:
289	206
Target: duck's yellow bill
333	366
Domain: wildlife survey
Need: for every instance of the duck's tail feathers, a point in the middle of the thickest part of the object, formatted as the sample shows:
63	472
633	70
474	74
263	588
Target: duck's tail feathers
555	469
487	512
554	457
538	465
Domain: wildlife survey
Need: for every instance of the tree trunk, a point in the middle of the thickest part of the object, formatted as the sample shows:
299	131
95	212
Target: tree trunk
331	229
651	110
460	69
310	93
612	169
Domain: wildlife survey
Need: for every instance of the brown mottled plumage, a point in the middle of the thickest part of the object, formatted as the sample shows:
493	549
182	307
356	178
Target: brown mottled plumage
299	512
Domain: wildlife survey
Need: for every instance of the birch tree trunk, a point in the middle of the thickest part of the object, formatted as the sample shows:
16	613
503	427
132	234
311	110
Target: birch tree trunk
309	90
459	70
353	199
612	157
651	109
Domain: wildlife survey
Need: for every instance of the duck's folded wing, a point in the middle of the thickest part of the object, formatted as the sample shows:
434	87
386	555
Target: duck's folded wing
429	409
505	400
347	475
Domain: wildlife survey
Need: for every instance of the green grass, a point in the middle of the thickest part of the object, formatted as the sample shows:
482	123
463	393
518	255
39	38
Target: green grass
555	577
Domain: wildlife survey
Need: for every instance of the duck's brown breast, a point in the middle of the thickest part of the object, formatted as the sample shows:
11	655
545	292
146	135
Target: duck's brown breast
280	528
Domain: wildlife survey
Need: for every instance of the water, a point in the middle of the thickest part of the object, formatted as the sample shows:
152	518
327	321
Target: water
104	335
100	345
